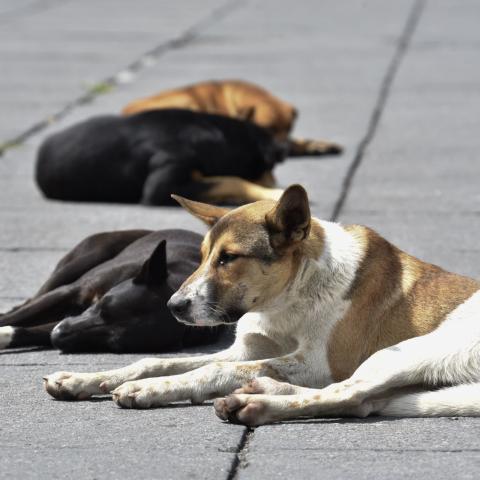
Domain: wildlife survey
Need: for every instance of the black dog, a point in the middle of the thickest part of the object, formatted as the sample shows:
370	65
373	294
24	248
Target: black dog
110	294
146	157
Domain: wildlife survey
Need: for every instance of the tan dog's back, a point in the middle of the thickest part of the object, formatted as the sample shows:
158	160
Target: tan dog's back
233	98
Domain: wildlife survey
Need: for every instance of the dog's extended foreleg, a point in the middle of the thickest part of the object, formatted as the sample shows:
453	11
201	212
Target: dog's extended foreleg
71	385
48	308
79	386
210	381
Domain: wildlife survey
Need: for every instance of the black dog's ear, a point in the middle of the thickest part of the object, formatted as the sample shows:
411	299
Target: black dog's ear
154	270
247	114
288	222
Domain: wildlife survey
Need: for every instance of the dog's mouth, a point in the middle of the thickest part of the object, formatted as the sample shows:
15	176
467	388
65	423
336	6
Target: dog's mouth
210	317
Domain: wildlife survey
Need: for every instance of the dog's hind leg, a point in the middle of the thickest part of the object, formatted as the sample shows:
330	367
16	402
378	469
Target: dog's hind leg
48	308
448	356
299	147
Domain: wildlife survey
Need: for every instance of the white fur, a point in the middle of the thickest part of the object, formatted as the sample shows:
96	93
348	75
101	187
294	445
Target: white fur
460	400
6	335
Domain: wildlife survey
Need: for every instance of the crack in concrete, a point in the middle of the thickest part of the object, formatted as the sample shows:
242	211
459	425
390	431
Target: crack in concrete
240	460
385	89
185	38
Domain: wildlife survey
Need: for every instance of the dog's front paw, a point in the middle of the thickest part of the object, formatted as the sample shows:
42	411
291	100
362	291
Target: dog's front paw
72	386
250	410
146	393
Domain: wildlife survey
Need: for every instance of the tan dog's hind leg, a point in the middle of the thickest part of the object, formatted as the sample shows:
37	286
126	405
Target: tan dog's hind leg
299	147
237	190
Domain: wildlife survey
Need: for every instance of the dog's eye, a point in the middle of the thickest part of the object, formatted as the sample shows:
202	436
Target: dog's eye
227	258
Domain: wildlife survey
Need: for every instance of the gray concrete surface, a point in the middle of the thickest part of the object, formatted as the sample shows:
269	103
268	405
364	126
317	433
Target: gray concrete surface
396	82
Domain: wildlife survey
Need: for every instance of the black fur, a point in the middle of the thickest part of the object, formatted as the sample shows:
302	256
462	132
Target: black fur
110	294
146	157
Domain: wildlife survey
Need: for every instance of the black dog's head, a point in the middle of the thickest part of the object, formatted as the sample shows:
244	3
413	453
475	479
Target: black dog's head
130	317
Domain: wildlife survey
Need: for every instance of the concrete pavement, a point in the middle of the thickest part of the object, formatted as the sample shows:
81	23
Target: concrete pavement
396	82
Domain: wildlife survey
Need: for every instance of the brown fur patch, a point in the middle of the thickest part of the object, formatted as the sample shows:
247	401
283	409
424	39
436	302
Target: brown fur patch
394	297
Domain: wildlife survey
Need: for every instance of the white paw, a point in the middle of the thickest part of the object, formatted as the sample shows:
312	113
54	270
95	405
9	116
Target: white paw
147	393
6	335
73	386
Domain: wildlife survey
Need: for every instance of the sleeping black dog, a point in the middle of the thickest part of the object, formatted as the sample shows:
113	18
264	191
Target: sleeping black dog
146	157
110	294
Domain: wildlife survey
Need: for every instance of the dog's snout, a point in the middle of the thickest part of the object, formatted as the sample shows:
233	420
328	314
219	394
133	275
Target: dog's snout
179	305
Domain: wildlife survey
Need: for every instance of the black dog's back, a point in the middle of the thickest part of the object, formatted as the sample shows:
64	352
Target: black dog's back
92	160
122	159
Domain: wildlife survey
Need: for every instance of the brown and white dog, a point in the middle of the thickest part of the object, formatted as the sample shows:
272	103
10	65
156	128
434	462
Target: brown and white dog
241	100
332	320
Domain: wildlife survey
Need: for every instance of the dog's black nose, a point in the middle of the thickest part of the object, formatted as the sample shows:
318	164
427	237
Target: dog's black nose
179	305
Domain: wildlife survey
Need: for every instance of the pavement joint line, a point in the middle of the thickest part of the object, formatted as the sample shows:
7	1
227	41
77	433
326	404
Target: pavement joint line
394	450
240	460
185	38
403	44
33	249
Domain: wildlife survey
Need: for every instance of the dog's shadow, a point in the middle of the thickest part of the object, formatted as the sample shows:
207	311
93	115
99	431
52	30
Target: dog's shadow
23	350
339	420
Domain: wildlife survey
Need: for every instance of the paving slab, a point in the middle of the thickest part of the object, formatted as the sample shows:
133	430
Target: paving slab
365	449
57	51
44	438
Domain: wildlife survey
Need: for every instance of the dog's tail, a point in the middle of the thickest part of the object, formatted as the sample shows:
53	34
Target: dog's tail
455	401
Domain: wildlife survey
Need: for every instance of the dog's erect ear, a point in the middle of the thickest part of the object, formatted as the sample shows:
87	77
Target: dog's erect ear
289	221
210	214
154	270
247	113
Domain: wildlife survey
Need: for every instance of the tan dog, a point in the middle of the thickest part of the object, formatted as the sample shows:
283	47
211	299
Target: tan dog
332	320
241	100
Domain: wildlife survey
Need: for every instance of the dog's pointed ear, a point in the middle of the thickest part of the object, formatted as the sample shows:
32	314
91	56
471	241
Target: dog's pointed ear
154	270
247	113
209	214
289	221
